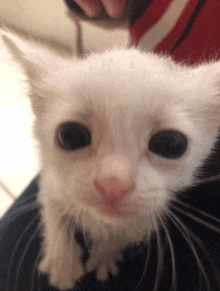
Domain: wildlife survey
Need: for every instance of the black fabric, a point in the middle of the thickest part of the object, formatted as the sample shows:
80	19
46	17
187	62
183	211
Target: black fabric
20	243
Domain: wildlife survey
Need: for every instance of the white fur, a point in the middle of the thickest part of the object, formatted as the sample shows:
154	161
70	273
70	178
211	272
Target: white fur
123	96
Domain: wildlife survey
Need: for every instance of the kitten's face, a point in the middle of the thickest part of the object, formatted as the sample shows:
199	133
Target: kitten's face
121	131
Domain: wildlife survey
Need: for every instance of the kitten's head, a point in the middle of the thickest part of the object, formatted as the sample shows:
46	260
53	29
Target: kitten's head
120	131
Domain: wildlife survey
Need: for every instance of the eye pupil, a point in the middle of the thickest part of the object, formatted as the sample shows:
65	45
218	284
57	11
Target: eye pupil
72	135
168	144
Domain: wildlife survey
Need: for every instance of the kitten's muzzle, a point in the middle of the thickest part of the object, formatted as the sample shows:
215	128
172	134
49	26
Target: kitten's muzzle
112	188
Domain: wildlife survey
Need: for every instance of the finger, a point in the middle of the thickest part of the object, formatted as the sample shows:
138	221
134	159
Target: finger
90	7
114	8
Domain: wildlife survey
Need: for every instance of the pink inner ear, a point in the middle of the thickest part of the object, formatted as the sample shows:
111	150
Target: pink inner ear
115	177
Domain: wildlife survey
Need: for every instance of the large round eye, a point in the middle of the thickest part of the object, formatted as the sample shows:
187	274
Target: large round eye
168	144
72	135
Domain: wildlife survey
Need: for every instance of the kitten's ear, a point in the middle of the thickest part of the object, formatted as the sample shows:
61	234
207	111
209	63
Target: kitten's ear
38	63
210	85
36	59
204	102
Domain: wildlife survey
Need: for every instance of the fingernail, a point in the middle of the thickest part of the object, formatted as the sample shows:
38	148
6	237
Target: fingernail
115	12
91	12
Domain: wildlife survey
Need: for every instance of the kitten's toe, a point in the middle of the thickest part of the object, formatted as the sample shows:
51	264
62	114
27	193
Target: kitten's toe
106	268
61	276
91	265
103	264
45	266
62	281
102	272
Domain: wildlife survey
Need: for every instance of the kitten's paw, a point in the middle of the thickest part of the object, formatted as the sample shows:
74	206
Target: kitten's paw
103	263
62	276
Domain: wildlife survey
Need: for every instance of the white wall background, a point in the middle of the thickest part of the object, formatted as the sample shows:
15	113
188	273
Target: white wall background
48	19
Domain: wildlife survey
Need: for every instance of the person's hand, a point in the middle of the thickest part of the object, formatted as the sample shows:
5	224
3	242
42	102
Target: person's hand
92	8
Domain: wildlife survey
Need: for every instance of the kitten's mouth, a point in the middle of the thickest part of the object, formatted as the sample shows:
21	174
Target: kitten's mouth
114	209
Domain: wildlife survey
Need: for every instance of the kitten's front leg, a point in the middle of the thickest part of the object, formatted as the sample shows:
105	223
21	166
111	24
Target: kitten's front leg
62	254
103	258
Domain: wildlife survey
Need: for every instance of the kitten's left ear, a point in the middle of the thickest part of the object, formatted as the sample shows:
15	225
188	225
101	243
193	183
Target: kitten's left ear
35	59
204	81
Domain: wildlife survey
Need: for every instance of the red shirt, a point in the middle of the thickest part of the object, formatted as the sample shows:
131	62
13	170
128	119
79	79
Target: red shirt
189	30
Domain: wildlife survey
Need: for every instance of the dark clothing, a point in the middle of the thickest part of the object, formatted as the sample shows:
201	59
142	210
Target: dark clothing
20	241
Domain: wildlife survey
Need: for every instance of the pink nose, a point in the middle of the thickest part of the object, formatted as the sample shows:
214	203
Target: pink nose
112	188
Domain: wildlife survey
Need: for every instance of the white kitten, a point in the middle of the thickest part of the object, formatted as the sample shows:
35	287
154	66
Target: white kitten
120	133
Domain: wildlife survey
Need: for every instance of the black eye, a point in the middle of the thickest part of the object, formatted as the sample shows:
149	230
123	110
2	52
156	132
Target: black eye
168	144
72	135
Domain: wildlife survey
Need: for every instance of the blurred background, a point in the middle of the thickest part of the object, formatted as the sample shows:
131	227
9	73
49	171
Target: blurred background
47	21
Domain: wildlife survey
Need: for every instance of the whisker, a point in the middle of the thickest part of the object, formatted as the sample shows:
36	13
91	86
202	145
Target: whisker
145	265
198	211
71	237
83	229
35	270
174	283
9	216
186	233
210	179
63	237
76	222
24	254
16	246
160	256
199	220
